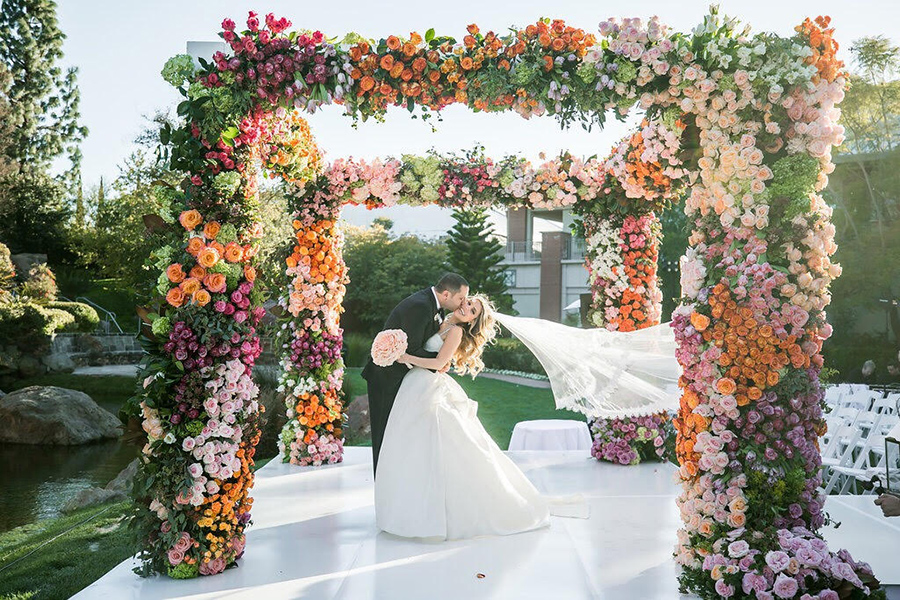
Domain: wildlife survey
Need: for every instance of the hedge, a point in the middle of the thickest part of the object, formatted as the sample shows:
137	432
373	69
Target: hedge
86	318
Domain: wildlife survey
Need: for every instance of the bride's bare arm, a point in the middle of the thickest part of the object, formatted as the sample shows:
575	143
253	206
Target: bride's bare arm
451	343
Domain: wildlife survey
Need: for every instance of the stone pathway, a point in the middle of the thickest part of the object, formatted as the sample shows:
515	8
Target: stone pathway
120	370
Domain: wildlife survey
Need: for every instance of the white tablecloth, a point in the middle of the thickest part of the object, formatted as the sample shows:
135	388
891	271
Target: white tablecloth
550	434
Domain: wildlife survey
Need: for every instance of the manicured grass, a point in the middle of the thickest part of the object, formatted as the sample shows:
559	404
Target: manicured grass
500	404
91	542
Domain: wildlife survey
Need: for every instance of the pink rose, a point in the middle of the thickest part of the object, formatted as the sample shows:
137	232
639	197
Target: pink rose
212	567
388	346
184	542
175	557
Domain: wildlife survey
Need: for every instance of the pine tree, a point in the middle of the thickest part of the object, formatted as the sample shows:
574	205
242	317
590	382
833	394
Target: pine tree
100	215
475	254
43	98
80	211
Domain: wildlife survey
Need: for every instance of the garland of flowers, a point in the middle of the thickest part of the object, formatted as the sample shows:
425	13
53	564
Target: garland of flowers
763	109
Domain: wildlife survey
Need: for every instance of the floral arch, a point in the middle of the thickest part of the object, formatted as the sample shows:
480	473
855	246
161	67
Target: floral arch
746	122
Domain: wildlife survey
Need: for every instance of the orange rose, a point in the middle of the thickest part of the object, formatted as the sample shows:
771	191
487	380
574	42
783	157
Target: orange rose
189	286
234	252
367	83
189	219
249	273
175	273
726	386
208	257
466	63
175	297
386	62
215	282
211	230
195	245
201	297
198	272
699	321
393	42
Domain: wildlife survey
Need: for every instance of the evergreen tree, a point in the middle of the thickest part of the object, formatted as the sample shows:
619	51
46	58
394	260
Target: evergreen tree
43	98
80	211
475	254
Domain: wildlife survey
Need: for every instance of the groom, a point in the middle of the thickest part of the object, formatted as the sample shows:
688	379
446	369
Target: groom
419	316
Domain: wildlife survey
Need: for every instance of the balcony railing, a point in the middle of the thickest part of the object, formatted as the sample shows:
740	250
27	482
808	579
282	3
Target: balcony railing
530	251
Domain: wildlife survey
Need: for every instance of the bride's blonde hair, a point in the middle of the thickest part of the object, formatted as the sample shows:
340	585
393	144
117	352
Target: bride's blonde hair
476	335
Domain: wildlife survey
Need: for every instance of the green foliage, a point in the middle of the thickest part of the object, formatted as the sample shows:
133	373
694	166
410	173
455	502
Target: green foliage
33	214
474	253
30	326
509	354
39	285
7	273
45	99
384	270
675	232
85	317
356	349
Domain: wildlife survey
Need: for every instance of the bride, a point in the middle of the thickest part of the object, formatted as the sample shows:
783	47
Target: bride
440	475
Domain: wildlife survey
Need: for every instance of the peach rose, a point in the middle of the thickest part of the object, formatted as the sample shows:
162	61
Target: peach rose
249	273
215	282
198	272
211	230
201	297
189	219
175	297
208	257
190	285
195	245
175	273
234	252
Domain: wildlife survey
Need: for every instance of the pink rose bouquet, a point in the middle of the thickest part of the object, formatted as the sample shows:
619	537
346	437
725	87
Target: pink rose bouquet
388	346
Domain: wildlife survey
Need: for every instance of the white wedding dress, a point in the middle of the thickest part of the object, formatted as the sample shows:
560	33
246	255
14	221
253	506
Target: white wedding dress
440	475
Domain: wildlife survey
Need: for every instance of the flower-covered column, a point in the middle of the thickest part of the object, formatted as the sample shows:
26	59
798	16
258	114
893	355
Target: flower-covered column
622	237
311	338
752	324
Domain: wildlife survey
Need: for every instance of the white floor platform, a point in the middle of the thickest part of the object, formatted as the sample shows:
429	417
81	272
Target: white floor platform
314	536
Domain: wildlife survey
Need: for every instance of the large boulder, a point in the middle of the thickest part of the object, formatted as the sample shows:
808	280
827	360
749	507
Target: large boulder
53	415
116	490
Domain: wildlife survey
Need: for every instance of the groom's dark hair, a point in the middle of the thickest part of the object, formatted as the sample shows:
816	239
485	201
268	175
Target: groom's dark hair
451	282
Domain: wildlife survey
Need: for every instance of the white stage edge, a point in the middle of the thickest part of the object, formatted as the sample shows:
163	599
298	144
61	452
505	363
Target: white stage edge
314	536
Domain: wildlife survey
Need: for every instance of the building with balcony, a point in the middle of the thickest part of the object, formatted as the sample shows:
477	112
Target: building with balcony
544	264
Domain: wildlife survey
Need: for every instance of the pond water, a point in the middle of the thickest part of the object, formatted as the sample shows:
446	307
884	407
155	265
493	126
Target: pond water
37	481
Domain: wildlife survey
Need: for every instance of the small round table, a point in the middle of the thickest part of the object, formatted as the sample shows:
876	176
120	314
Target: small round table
550	434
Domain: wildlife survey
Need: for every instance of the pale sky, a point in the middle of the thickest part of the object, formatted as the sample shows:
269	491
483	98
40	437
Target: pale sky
120	48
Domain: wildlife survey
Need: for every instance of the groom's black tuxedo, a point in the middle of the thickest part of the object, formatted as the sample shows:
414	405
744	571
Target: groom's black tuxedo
417	316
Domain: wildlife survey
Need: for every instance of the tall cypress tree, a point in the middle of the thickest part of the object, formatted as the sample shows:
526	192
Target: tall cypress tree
44	98
475	254
43	110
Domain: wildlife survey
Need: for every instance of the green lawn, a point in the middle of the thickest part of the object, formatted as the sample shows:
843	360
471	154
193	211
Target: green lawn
500	405
90	542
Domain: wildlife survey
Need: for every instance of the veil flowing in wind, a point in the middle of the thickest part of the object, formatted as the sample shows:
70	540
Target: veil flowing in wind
603	373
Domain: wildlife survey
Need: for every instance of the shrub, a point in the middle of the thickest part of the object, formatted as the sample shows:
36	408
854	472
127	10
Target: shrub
512	355
86	318
39	284
7	270
30	326
356	349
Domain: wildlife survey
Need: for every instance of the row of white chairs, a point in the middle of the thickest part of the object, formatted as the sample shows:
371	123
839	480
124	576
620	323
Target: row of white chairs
853	449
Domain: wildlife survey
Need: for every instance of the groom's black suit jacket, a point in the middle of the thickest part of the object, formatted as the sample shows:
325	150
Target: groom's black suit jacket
415	315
